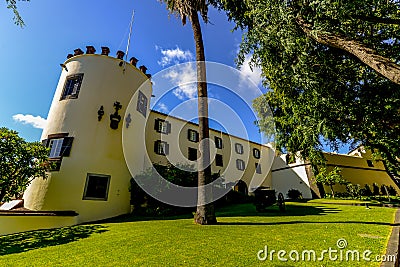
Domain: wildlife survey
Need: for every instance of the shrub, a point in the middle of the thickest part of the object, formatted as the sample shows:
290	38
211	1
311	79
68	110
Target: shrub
366	191
375	189
144	204
330	178
392	191
354	190
294	194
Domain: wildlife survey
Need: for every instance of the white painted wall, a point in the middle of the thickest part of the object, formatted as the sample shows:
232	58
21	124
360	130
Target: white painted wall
292	176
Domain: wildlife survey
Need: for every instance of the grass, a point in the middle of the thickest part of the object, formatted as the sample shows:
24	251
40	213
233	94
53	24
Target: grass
235	241
338	201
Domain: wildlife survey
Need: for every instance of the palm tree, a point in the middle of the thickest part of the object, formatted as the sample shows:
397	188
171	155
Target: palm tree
189	9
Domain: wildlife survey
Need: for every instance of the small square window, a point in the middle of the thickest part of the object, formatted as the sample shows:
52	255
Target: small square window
240	165
55	146
96	187
193	136
370	164
239	148
59	147
142	103
256	153
218	142
258	168
219	160
162	126
192	154
161	147
72	86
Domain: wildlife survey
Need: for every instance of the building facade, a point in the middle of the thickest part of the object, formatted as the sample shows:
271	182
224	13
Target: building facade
101	133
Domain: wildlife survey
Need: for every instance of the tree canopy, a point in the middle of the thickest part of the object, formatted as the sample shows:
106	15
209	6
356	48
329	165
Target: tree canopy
332	67
20	163
332	178
12	4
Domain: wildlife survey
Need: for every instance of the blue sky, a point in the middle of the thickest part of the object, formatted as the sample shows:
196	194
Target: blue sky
31	57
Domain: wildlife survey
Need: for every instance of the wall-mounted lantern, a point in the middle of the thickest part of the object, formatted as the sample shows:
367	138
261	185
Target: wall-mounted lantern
100	113
115	118
128	120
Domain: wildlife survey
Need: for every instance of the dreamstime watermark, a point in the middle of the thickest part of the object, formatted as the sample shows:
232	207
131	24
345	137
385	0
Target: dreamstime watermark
174	90
338	253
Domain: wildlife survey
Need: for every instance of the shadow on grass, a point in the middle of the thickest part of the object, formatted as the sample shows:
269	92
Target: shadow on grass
247	210
237	210
21	242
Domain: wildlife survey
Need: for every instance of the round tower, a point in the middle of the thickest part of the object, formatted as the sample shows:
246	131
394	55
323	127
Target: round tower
84	133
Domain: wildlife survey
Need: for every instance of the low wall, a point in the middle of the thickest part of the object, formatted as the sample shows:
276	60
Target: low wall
15	222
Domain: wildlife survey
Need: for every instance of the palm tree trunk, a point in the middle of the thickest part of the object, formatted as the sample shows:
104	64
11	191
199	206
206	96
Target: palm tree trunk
205	213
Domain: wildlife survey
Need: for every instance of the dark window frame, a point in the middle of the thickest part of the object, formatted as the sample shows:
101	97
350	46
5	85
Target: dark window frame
240	165
239	148
88	183
190	136
142	103
218	142
165	150
258	168
65	149
256	153
69	86
219	160
192	154
158	126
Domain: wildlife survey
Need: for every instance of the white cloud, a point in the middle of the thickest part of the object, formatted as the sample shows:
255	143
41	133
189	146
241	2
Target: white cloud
174	56
162	108
254	74
185	78
35	121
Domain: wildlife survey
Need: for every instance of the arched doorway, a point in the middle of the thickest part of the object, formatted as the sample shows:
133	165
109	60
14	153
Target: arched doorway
241	187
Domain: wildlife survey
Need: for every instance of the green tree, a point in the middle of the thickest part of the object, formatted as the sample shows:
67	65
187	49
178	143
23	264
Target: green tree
333	70
331	178
20	163
12	4
205	213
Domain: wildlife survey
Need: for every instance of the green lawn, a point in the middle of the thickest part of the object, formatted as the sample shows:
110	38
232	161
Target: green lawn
338	201
235	241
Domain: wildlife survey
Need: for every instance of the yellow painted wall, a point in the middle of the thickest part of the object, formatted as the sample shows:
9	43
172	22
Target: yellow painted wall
96	148
355	169
17	224
179	145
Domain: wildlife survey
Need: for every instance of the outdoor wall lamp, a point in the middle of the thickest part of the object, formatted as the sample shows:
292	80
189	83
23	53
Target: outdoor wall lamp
100	113
115	118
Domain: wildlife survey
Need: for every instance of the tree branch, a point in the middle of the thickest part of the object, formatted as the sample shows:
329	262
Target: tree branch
377	19
370	57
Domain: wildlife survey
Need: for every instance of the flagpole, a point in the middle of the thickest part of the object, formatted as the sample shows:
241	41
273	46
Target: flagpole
129	39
